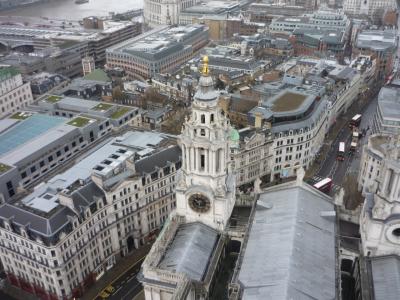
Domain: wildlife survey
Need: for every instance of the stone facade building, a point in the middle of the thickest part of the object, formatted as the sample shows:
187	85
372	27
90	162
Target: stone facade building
14	93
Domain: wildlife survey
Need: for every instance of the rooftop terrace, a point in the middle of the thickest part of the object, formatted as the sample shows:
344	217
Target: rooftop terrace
120	112
288	101
102	107
80	121
53	99
20	116
4	168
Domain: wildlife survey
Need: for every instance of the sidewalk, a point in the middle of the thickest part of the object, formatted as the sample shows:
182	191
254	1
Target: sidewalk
120	268
17	293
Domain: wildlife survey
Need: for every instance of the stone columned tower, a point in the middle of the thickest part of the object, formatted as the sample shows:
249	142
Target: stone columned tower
206	183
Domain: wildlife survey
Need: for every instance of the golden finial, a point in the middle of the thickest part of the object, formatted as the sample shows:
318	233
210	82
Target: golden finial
205	66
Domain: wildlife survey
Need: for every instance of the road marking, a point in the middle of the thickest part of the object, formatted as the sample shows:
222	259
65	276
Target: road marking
131	279
117	290
135	286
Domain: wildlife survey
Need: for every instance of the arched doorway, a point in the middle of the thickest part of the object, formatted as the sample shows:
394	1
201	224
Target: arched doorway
130	243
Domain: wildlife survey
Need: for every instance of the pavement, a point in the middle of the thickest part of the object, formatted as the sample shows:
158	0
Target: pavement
122	279
4	296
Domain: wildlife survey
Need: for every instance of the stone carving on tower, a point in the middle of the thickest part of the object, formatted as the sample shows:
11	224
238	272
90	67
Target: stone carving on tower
380	219
206	184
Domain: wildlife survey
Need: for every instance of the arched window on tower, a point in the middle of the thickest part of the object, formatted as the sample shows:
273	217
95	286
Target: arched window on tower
202	132
203	119
212	118
202	159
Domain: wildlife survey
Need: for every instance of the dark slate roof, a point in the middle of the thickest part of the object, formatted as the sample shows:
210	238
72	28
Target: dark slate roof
87	195
45	225
149	164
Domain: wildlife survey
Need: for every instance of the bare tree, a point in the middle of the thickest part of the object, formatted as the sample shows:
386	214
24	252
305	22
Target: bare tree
352	197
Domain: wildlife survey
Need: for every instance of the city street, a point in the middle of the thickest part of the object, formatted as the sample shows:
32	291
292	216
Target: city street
337	170
124	287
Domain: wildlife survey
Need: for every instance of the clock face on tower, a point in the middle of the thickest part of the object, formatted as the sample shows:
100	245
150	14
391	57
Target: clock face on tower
199	203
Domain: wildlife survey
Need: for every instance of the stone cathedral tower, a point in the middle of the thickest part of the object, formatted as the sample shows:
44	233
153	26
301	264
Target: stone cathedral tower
206	184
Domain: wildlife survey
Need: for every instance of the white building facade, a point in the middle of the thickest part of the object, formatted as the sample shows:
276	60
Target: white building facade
14	93
372	158
379	220
183	262
165	12
56	244
372	8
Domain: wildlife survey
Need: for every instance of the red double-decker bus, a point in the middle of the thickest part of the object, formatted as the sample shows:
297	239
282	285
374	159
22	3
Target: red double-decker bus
325	185
355	121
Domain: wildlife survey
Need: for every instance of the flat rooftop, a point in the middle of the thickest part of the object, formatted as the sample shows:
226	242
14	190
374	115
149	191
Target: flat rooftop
27	130
157	42
378	40
288	101
212	7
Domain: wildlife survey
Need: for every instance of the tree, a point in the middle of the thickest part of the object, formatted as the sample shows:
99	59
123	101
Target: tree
117	94
352	197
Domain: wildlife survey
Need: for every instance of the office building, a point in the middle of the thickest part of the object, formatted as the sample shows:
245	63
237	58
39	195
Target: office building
227	59
159	51
14	93
85	42
34	144
165	12
320	19
208	9
68	232
298	120
319	43
380	45
372	8
387	119
252	155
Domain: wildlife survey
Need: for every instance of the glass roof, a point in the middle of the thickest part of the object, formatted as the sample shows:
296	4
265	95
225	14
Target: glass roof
27	130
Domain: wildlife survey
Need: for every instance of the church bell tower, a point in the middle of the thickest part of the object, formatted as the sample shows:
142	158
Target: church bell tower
206	184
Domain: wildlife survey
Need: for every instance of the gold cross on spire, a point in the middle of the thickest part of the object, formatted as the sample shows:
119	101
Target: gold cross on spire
205	70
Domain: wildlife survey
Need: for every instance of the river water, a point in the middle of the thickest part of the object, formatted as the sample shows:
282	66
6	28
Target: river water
67	9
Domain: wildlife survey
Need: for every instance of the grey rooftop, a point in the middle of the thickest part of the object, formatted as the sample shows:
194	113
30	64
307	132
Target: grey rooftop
378	40
386	277
389	103
191	250
290	253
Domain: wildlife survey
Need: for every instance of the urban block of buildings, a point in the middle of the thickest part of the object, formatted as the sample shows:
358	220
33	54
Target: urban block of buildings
69	231
34	144
161	50
374	9
205	197
15	94
60	50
